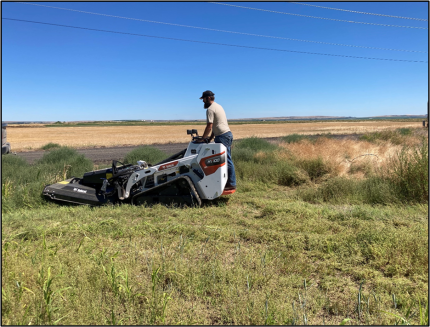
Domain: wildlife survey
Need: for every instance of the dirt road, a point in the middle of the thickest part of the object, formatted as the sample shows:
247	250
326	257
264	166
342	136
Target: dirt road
107	154
104	154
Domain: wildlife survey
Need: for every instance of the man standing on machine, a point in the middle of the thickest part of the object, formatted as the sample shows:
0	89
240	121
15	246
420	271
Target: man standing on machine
216	121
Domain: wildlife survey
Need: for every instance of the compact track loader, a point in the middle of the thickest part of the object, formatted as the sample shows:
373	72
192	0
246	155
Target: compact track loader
197	173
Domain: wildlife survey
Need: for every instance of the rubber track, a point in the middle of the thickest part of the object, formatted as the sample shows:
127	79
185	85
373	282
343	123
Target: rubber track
190	183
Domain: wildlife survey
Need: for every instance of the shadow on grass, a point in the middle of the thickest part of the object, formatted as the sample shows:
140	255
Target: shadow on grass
218	202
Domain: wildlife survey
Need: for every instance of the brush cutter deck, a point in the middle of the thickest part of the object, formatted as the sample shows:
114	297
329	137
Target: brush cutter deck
186	178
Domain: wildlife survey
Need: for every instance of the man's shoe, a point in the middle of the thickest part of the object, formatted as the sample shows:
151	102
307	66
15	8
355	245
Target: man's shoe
229	188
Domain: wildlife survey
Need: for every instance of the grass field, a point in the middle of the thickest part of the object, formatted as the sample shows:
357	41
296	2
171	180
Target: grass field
24	138
320	231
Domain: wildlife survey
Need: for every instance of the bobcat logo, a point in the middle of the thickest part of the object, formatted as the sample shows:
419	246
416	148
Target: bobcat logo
79	190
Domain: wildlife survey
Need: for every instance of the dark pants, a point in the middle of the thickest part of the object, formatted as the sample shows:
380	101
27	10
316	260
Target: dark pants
227	139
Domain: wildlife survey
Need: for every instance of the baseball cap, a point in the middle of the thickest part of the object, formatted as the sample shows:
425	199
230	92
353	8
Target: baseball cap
207	94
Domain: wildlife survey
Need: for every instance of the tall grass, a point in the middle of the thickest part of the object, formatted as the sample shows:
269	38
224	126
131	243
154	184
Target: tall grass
22	183
260	256
408	173
254	144
256	160
404	131
404	179
66	158
315	168
146	153
343	190
397	136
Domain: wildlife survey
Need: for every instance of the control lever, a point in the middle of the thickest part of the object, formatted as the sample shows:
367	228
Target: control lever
197	137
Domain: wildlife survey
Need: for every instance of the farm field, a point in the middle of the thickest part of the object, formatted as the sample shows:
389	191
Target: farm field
25	138
319	231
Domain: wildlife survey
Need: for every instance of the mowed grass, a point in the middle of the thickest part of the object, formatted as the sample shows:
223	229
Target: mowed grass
300	242
27	139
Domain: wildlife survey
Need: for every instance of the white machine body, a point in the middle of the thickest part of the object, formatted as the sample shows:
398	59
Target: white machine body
204	163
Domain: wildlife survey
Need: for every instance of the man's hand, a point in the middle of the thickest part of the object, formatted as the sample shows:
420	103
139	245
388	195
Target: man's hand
205	137
203	140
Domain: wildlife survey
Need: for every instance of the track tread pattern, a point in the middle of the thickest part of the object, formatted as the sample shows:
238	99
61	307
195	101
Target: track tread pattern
194	194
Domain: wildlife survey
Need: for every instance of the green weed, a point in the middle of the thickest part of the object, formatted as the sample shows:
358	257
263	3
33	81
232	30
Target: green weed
50	146
294	138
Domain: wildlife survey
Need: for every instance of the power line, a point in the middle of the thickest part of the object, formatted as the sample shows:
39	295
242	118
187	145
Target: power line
338	20
218	30
205	42
359	12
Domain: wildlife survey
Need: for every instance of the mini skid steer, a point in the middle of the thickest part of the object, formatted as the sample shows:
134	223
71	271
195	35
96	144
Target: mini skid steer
197	173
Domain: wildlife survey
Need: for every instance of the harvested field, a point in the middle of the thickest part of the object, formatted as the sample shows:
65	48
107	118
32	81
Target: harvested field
26	139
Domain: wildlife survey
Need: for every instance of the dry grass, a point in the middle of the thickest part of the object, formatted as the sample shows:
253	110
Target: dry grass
24	138
347	156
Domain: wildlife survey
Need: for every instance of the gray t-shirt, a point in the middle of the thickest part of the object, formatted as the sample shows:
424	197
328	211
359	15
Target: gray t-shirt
216	115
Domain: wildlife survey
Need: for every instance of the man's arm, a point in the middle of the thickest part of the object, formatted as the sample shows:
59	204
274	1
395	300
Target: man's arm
208	130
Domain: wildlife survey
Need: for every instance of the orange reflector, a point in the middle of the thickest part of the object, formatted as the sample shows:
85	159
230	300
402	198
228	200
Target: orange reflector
228	192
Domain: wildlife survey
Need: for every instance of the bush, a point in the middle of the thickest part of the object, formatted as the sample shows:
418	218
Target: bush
376	190
279	172
289	175
294	138
255	160
254	150
408	173
244	154
50	146
255	144
146	153
67	161
315	168
365	167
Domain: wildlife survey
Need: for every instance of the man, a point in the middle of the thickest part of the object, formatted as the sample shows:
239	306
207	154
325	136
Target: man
216	121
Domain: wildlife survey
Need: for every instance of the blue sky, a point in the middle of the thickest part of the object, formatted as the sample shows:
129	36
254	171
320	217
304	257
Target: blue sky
59	73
